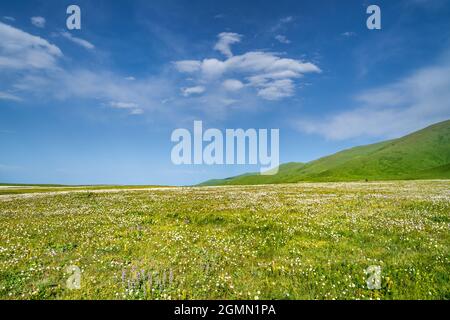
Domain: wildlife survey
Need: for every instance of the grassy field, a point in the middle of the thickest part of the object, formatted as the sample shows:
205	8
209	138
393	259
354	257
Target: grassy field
292	241
21	189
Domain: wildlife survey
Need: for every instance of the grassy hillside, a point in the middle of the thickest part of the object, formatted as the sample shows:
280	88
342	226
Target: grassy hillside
424	154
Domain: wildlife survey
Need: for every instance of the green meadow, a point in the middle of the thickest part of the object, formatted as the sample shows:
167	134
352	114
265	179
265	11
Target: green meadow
282	241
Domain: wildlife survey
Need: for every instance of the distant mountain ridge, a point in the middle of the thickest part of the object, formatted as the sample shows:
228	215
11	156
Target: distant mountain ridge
424	154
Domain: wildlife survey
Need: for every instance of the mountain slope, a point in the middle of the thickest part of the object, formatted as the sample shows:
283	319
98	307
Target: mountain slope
424	154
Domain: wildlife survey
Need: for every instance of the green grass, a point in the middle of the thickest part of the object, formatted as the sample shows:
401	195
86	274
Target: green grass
292	241
424	154
22	189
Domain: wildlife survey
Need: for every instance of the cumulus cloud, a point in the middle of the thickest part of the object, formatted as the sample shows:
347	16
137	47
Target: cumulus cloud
212	68
282	39
21	50
212	82
193	90
81	42
232	85
187	65
269	63
271	75
277	89
38	22
393	110
226	39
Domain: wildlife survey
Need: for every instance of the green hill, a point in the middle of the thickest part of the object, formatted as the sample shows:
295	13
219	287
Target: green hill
424	154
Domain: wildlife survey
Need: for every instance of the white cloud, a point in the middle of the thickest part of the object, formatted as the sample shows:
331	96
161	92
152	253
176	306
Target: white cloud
133	107
123	105
348	34
43	77
232	85
97	86
277	89
145	94
8	96
38	22
393	110
136	111
81	42
266	62
212	68
226	39
271	75
282	39
187	66
287	19
12	19
193	90
21	50
282	23
130	78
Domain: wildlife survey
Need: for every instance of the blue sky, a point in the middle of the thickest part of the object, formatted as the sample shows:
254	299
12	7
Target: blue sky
98	105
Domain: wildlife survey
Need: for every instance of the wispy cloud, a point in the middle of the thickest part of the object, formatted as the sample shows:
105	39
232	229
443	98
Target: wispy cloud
38	21
348	34
81	42
137	96
43	75
21	50
282	39
8	18
131	106
281	23
193	90
415	101
287	19
9	96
